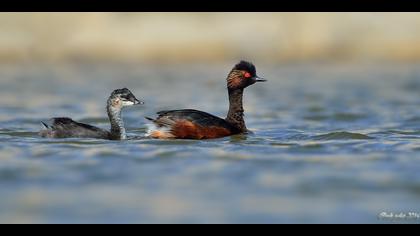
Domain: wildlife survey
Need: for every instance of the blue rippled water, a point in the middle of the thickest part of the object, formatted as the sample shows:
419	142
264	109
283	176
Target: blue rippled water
330	143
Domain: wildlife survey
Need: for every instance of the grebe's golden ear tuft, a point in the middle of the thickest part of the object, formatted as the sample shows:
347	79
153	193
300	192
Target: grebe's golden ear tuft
243	75
234	79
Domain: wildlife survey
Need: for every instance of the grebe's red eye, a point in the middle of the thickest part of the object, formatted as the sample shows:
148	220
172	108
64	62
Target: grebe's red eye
247	75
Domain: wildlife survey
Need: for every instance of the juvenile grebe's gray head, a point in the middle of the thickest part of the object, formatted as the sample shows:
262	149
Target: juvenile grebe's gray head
123	98
119	99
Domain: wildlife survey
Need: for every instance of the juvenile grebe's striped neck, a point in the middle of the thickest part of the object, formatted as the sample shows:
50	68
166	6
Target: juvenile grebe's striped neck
117	124
236	111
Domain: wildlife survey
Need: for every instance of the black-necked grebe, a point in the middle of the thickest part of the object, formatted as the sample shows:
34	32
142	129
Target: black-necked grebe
193	124
67	128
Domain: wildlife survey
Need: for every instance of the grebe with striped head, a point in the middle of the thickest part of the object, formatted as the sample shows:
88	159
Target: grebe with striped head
193	124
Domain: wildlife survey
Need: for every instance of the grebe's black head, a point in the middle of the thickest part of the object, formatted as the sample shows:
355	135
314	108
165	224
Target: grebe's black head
123	98
243	75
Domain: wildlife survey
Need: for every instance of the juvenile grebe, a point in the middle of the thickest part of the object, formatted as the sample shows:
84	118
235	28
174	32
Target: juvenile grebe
67	128
193	124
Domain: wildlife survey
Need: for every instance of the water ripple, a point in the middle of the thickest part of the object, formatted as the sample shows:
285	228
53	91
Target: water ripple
341	136
322	136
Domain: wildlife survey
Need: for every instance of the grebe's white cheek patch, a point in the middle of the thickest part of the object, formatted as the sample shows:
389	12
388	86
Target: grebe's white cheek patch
127	103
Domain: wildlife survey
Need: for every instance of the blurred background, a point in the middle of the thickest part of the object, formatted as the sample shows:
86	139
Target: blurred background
187	37
335	130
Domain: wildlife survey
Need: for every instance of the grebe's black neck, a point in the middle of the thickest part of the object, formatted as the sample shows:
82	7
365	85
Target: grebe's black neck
236	111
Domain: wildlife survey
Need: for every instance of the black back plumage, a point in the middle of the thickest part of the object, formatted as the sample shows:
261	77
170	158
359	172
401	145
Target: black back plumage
197	117
66	127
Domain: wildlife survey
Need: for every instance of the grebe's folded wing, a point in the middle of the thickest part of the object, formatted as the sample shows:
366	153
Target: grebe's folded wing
198	117
66	127
168	118
190	124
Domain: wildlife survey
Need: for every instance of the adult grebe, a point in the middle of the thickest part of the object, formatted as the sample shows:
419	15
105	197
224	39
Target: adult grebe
193	124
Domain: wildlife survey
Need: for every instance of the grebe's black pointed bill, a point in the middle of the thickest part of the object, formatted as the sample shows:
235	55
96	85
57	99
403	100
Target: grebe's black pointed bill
258	79
138	102
130	97
135	101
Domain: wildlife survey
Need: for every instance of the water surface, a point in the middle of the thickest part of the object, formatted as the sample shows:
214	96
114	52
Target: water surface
328	144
